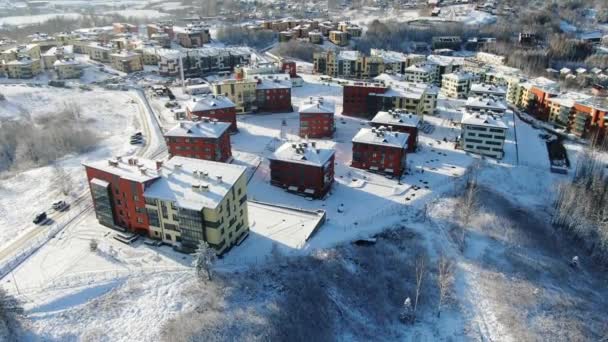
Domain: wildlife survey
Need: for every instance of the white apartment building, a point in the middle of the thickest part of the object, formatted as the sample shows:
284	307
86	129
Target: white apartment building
456	85
483	134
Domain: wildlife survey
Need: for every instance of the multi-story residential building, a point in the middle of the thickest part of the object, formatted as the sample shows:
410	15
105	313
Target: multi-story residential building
338	37
30	50
354	64
317	118
273	94
483	134
447	42
68	68
533	95
306	168
485	104
192	35
315	37
216	107
416	98
149	55
23	67
365	99
420	73
353	30
456	85
445	65
561	110
400	121
205	139
127	61
158	28
43	40
241	92
162	39
380	150
181	201
56	53
201	61
487	89
98	52
356	100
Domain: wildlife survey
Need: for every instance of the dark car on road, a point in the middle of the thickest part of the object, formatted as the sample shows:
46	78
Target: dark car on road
40	218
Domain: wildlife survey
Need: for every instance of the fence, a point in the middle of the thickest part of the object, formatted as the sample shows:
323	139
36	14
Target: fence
77	210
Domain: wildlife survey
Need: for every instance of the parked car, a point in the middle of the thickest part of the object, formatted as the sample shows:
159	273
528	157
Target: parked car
40	218
60	206
136	141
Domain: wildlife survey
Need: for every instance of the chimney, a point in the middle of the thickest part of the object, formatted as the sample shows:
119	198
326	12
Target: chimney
219	179
159	164
143	171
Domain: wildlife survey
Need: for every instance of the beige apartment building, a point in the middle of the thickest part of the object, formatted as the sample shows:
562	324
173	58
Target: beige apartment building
127	61
456	85
241	92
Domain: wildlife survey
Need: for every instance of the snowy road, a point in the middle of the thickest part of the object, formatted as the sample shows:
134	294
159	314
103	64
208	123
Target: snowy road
17	251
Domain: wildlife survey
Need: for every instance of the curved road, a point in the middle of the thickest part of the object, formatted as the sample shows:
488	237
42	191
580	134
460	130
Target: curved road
155	147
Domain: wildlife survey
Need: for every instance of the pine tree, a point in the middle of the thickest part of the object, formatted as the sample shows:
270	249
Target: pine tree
204	257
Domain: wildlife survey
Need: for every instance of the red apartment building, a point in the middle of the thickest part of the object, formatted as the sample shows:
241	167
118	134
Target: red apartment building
205	139
304	168
317	118
273	95
590	117
117	187
215	107
400	121
356	99
380	150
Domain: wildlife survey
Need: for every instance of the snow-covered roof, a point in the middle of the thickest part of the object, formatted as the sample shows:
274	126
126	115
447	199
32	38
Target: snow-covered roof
125	54
264	83
487	88
309	153
445	60
58	50
423	68
565	70
70	61
409	90
542	83
488	103
568	99
134	169
389	56
317	105
200	129
194	183
484	120
381	136
349	55
209	102
396	118
389	78
458	76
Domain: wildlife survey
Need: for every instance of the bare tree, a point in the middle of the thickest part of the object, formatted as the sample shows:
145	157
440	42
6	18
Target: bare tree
467	203
420	275
63	180
204	257
445	280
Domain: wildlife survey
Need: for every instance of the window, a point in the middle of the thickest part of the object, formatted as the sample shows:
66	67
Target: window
135	198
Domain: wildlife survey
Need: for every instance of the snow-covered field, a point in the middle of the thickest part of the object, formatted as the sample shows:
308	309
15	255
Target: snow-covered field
112	115
139	13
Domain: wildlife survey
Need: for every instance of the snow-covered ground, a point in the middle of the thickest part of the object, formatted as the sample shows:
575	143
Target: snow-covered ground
25	20
139	13
112	115
65	276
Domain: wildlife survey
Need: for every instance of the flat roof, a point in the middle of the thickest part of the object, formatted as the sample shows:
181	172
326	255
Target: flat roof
396	118
485	102
487	88
317	105
209	102
381	136
484	120
308	153
138	170
194	183
200	129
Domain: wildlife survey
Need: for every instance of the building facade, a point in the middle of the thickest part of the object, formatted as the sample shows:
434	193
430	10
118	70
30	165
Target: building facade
400	121
380	150
215	107
304	168
483	134
456	85
204	139
317	118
